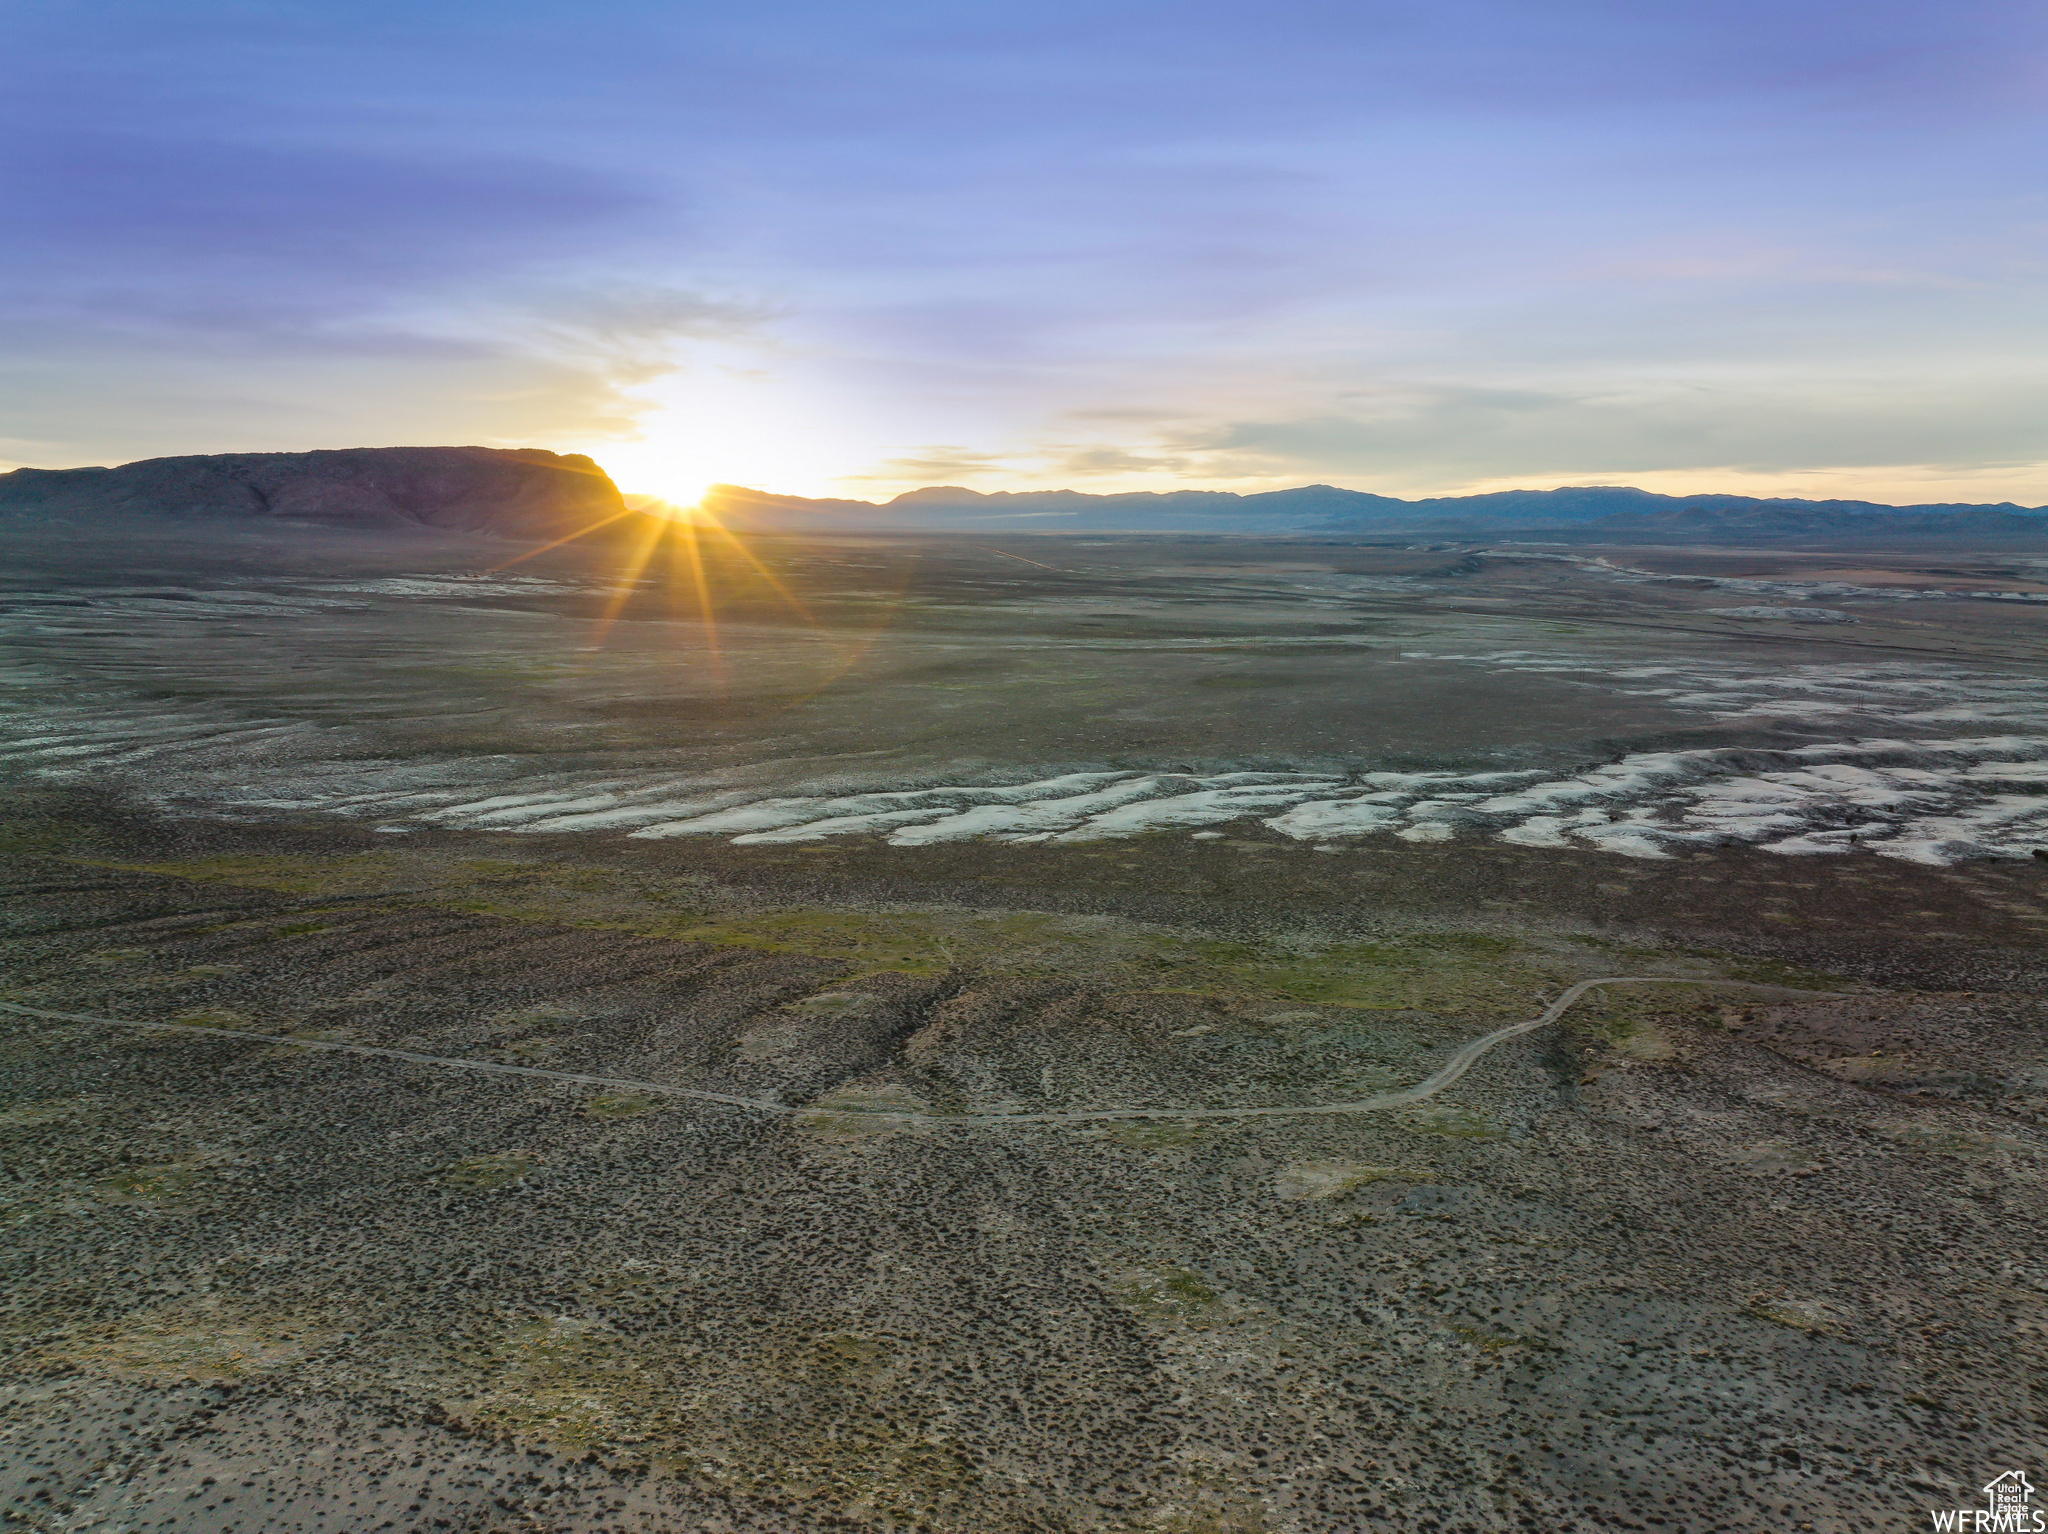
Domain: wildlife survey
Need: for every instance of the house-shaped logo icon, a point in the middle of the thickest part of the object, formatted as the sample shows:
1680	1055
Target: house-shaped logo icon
2009	1512
2009	1496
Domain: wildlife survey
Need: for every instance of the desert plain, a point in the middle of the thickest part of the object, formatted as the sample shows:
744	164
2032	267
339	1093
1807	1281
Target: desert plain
881	841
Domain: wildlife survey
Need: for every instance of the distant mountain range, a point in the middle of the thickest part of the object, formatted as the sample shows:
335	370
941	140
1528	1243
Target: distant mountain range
530	493
1590	514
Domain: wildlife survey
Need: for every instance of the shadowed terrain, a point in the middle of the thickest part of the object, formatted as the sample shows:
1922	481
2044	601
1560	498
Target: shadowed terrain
521	492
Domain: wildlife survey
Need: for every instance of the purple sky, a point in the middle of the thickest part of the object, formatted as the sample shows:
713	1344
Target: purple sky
851	248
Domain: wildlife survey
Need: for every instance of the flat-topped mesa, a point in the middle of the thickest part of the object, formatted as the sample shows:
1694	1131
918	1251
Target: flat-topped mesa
524	492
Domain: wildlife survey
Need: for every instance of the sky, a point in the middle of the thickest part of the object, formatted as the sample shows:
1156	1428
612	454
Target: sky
850	249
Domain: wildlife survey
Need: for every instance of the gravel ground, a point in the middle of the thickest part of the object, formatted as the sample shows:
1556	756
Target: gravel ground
1673	1264
1692	1259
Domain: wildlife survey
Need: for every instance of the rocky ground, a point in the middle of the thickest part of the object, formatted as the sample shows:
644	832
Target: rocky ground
1695	1259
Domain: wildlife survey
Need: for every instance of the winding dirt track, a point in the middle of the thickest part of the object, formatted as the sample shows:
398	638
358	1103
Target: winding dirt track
1442	1077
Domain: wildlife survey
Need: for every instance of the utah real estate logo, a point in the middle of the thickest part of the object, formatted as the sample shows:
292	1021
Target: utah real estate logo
2008	1513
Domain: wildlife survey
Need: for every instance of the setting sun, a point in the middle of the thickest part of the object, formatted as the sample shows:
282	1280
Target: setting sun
727	420
676	507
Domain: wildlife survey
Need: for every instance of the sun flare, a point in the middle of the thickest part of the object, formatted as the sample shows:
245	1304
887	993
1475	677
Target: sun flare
680	506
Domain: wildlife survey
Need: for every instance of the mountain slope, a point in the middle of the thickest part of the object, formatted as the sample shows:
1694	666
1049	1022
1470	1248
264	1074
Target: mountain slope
1578	512
513	492
532	493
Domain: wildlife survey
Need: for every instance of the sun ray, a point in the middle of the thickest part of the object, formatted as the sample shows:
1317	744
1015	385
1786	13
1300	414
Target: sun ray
581	532
767	574
629	577
686	547
855	650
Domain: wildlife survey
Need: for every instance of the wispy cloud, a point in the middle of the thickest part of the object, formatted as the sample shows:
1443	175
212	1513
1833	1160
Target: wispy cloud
1128	245
934	463
1467	433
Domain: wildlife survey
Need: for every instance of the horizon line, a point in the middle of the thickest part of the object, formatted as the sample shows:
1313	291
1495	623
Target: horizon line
967	494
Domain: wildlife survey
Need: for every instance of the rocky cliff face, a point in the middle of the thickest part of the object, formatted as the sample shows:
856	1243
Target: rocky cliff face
517	492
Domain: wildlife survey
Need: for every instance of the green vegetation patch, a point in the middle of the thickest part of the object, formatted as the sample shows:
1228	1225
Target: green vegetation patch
534	1035
1813	1316
1772	971
831	1444
529	1021
620	1105
834	1002
857	1113
1792	976
1500	1342
521	871
169	1184
1645	1041
1170	1294
817	1416
486	1172
1452	972
287	874
1635	950
1933	1139
908	942
49	1110
310	1036
1329	1180
109	957
570	1382
26	833
214	1017
168	1346
1778	1156
1454	1123
1460	976
885	1475
1159	1134
1239	1517
846	1351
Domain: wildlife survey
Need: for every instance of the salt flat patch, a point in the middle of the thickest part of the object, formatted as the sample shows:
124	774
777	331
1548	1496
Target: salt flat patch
66	742
1868	694
1924	801
1932	801
287	599
1877	783
183	603
1783	614
1113	805
456	586
1880	590
1203	807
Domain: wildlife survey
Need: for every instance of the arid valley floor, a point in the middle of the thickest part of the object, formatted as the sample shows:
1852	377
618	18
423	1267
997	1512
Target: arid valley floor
910	835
